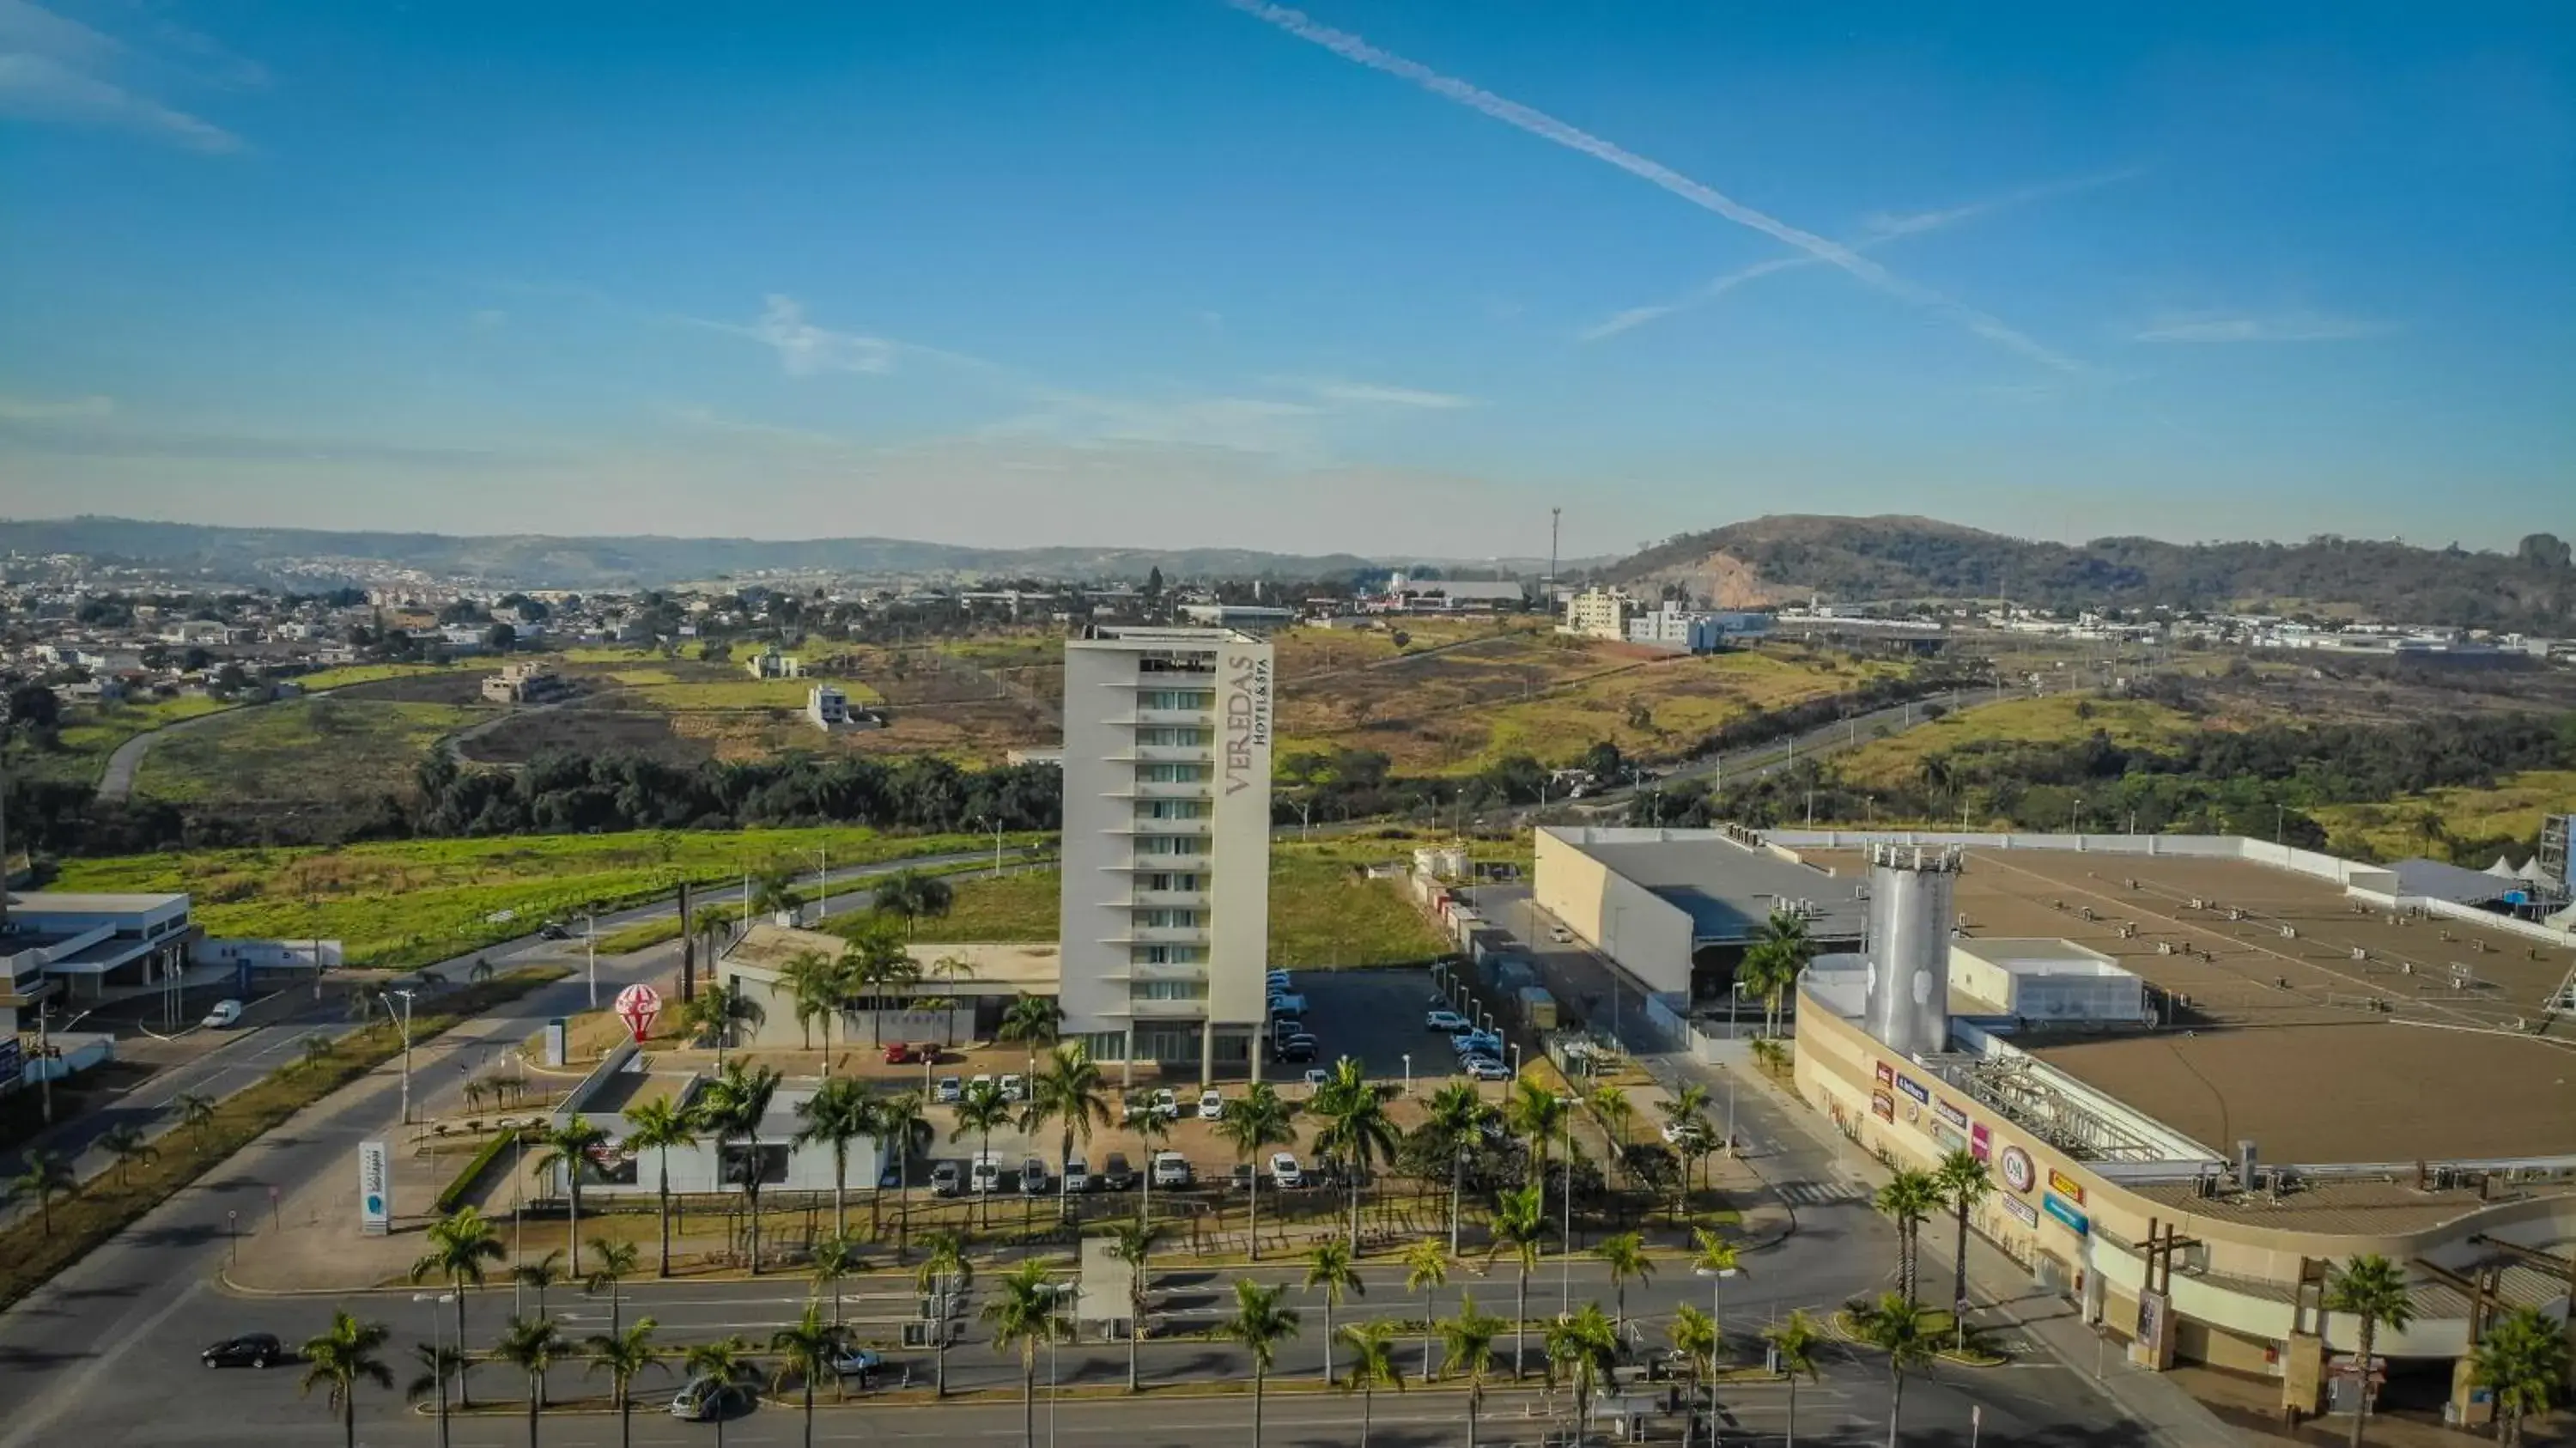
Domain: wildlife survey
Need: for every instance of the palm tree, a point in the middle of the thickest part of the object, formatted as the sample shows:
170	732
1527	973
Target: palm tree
44	1177
569	1147
657	1126
438	1363
1534	1114
1259	1325
1794	1343
1467	1349
814	987
979	1110
1784	948
1520	1223
1695	1338
1022	1314
1426	1266
480	971
1251	1126
1898	1326
1330	1269
1963	1182
713	1013
2372	1291
910	895
1373	1366
1686	1112
840	1112
458	1245
1587	1346
805	1352
1625	1256
876	964
1032	1021
1616	1111
1909	1198
316	1049
900	1118
834	1260
731	1106
539	1275
1135	1244
127	1145
196	1113
624	1356
615	1263
2523	1359
339	1359
1357	1128
1456	1113
944	1270
1151	1130
531	1345
726	1361
1071	1093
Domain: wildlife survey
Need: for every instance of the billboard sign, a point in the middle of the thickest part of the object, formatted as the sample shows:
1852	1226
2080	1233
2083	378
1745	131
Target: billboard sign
1914	1088
638	1006
1949	1138
1247	722
2066	1215
2019	1173
555	1041
1886	1075
1882	1105
1981	1142
2020	1210
375	1189
2065	1186
1951	1114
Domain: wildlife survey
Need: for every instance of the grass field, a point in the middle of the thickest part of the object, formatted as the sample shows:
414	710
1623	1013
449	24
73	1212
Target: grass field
2055	719
90	734
1322	911
316	748
348	674
2396	830
410	902
740	693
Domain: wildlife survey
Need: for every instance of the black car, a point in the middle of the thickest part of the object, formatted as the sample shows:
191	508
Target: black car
250	1350
1298	1049
1115	1174
554	930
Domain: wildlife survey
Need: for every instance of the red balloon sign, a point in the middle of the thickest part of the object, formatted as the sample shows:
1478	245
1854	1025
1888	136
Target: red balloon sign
638	1005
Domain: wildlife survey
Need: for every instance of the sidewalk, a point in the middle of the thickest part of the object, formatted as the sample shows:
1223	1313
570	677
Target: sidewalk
2008	1296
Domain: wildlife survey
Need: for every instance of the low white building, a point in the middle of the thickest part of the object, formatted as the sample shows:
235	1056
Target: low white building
1597	613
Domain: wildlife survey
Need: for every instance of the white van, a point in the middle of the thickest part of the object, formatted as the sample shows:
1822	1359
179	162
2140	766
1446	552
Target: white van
226	1013
985	1175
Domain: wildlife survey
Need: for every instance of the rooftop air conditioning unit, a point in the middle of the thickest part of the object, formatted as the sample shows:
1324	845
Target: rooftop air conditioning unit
2360	954
2289	932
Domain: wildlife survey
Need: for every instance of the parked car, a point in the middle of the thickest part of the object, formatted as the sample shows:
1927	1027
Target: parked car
947	1179
1211	1105
250	1350
1470	1040
1287	1005
982	1079
1077	1174
1282	1027
1167	1104
985	1176
900	1053
705	1399
1115	1174
1240	1178
1281	980
1446	1021
226	1013
1034	1181
1486	1068
1296	1050
553	930
949	1091
1560	934
858	1362
1284	1171
1015	1087
1318	1079
1171	1169
1677	1132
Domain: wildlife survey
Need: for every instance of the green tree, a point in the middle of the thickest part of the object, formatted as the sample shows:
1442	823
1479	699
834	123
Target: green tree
1695	1337
714	1012
731	1108
1329	1268
456	1247
840	1112
2371	1290
1625	1256
1030	1022
726	1361
531	1345
834	1260
980	1109
196	1113
1467	1350
1586	1346
901	1119
1616	1111
1426	1267
625	1356
1069	1092
1356	1129
1534	1114
878	967
611	1263
1909	1199
657	1126
1022	1315
1373	1366
1252	1126
1898	1326
944	1273
1520	1224
568	1148
340	1359
438	1364
44	1177
1258	1325
806	1350
1456	1114
1136	1242
1716	1259
1794	1344
1963	1182
2523	1359
540	1275
1686	1113
1781	948
912	896
816	985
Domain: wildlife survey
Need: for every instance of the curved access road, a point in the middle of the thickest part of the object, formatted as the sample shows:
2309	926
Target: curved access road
116	782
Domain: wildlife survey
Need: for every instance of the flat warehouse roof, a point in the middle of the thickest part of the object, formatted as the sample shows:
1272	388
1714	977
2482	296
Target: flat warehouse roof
1729	889
58	902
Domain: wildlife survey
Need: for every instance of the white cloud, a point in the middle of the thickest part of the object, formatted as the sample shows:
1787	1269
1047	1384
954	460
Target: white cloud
488	319
59	70
2295	326
805	349
1370	394
51	409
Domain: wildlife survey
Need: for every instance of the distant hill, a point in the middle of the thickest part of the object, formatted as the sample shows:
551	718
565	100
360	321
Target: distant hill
537	561
1785	558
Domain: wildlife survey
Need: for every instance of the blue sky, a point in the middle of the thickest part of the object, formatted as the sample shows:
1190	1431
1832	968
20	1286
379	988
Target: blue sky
1371	276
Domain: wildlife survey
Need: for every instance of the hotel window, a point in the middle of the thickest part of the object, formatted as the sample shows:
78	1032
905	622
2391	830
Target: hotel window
1167	990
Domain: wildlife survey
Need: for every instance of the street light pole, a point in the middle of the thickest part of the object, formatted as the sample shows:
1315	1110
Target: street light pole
437	1350
590	939
406	1052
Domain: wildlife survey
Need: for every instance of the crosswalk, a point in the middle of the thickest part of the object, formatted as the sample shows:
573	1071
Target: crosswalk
1821	1194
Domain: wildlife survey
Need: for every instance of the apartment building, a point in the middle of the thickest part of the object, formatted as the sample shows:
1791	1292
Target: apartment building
1166	874
1597	613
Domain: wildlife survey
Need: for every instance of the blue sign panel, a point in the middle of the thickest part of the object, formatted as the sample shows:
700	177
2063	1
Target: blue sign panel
2067	1216
1913	1088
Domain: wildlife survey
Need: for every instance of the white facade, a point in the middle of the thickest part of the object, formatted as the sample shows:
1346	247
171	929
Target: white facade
1598	613
1166	875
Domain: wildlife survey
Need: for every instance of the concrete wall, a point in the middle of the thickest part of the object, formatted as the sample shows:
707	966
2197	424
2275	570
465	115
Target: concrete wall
1649	937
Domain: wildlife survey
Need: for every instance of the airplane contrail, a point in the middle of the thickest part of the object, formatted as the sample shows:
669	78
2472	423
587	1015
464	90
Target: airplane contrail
1546	127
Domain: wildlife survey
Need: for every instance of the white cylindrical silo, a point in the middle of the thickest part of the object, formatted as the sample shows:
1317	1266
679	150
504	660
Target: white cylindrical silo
1908	1000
